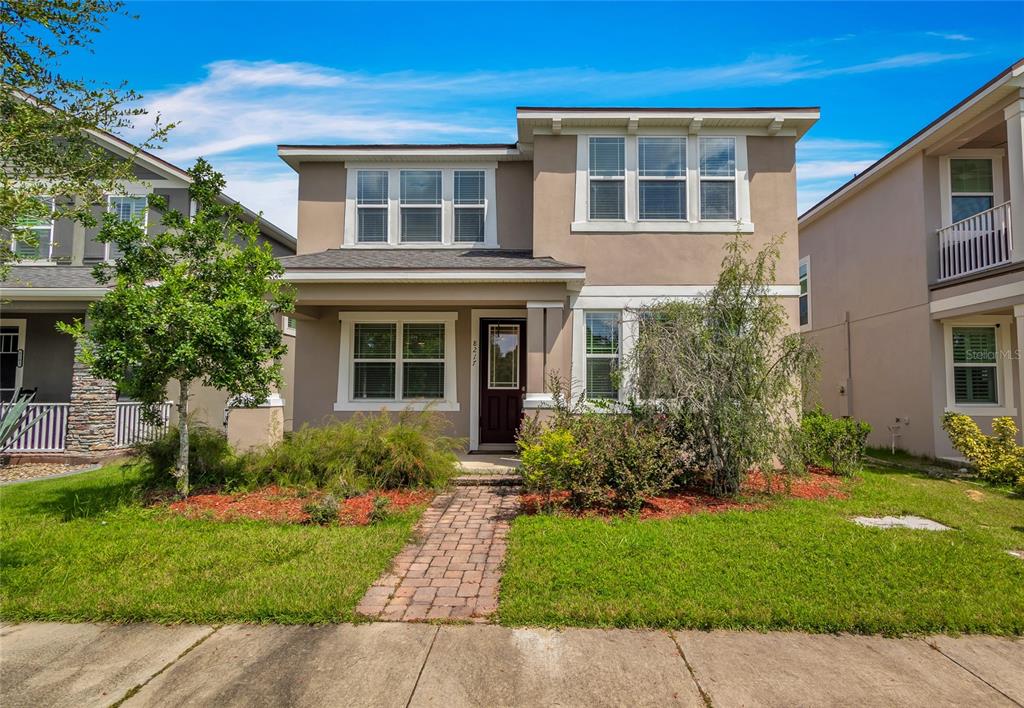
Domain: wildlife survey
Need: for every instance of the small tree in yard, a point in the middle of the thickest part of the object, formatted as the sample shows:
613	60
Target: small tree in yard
725	369
188	304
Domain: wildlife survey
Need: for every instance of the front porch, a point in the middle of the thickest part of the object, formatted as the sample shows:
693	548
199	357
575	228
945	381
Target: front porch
72	412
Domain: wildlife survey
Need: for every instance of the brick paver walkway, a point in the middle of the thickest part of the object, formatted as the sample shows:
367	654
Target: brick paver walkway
453	569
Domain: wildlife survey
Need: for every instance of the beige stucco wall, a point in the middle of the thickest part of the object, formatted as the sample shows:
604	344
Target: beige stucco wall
514	195
660	258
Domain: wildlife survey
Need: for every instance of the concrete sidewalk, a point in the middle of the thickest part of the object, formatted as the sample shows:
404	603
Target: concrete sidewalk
391	664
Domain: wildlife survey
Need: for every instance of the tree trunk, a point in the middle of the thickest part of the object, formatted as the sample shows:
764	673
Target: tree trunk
181	468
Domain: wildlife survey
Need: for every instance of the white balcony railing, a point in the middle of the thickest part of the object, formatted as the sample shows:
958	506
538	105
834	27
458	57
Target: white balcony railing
131	427
43	429
976	243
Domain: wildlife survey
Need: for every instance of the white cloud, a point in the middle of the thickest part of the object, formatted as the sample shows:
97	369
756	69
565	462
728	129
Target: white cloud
267	186
829	169
952	36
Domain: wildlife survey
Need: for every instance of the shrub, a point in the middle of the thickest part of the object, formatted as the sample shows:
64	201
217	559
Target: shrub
837	443
211	460
368	451
381	510
597	456
323	511
997	457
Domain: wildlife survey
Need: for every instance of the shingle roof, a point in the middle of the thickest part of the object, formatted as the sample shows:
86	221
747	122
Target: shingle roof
422	259
50	277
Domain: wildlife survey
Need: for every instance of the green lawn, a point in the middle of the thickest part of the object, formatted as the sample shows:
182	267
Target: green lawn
80	548
800	565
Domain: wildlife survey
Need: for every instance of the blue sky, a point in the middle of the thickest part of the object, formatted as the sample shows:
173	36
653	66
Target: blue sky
242	77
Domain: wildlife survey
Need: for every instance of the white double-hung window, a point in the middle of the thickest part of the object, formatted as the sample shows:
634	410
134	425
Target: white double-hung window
421	206
126	208
40	229
469	205
607	172
372	201
662	178
718	178
601	332
398	358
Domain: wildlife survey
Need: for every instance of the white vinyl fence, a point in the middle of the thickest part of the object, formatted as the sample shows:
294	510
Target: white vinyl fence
43	429
132	428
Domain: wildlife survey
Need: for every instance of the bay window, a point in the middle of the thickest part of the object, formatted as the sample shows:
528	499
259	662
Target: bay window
421	206
718	178
372	205
601	333
662	178
607	178
393	360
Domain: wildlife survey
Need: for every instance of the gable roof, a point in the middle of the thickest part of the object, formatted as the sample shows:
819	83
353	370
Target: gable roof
997	88
125	149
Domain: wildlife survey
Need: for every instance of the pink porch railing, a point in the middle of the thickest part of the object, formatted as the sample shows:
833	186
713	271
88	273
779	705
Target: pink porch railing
976	243
46	433
130	427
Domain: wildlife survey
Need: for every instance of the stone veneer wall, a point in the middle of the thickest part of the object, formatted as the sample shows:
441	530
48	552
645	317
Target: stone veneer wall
93	412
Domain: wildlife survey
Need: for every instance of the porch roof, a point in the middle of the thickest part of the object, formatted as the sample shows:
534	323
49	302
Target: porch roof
51	281
427	264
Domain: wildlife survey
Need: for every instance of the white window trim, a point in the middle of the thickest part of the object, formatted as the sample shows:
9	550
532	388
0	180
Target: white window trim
734	178
618	356
805	261
469	205
286	328
447	205
21	325
1004	375
385	207
346	363
632	224
946	187
627	202
47	260
110	205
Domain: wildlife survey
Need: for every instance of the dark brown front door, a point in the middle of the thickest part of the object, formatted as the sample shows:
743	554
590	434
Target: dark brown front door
502	379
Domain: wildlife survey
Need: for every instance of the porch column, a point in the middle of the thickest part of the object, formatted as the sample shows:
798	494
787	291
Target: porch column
1015	163
92	413
543	326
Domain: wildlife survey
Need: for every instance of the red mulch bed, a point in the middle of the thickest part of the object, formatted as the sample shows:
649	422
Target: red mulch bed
284	506
756	493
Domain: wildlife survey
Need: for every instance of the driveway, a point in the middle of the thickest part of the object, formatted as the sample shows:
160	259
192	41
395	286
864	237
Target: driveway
401	664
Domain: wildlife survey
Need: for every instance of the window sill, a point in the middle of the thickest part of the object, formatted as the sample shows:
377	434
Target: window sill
982	410
370	406
662	227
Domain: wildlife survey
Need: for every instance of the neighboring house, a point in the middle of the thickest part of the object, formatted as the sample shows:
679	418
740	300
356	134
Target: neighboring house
54	283
460	277
914	276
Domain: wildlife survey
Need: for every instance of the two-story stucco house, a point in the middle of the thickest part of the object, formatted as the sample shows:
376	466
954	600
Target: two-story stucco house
913	275
462	276
53	282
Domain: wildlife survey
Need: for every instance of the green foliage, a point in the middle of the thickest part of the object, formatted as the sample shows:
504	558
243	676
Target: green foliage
367	451
724	370
381	510
598	457
212	462
323	511
188	304
997	457
45	117
837	443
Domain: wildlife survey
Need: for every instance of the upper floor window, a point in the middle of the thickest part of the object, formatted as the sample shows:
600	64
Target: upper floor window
422	206
41	230
662	178
662	183
607	178
971	187
372	203
805	291
125	208
718	179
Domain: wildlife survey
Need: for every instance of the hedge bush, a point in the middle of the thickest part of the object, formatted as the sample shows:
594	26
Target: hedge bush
836	443
997	457
211	460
